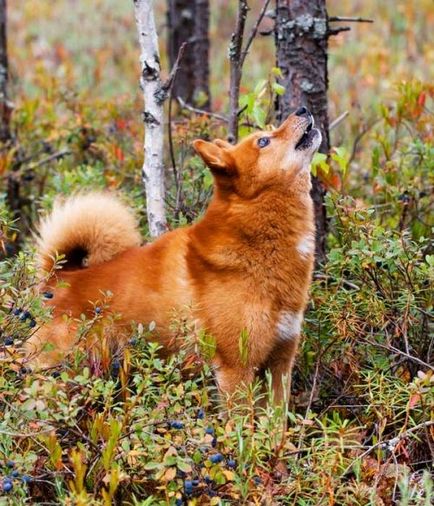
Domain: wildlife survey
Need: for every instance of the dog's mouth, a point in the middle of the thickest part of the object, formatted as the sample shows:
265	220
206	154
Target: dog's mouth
308	135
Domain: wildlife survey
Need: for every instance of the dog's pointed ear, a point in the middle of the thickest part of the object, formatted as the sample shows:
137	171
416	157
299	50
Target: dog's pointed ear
223	144
216	157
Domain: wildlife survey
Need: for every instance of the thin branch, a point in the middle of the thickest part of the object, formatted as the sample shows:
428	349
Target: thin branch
254	31
336	31
343	19
196	110
400	352
338	120
344	282
166	87
391	443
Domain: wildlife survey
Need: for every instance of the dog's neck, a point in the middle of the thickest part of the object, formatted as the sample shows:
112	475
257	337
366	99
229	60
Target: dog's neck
265	224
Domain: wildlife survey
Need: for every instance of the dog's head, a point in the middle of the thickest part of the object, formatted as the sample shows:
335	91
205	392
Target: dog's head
265	159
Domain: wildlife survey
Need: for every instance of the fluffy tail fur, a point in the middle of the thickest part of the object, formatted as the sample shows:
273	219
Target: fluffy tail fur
88	229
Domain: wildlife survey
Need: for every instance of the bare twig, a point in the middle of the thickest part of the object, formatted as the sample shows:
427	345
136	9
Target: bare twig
166	87
196	110
338	120
391	443
400	352
254	31
357	140
336	31
344	282
343	19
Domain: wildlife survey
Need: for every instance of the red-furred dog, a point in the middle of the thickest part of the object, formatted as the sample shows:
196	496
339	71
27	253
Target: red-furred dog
244	267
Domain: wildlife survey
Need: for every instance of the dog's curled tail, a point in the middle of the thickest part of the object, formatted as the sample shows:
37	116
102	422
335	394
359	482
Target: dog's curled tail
88	229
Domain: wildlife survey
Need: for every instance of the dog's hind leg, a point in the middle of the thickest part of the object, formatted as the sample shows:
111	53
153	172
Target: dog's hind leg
280	363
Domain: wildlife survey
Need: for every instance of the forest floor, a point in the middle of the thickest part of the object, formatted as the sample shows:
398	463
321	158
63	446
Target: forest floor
131	428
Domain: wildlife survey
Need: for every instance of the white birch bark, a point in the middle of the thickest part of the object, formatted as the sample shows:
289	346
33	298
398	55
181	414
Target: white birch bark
154	96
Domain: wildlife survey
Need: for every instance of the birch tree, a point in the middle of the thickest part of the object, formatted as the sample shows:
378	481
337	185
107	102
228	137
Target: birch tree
154	94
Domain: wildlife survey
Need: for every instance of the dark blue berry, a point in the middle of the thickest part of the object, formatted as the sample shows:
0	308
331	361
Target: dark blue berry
25	370
188	487
209	430
25	315
195	483
10	464
257	480
15	473
97	310
133	341
176	424
7	485
32	323
9	341
116	364
55	374
214	442
216	458
48	295
26	479
231	464
179	502
16	311
201	414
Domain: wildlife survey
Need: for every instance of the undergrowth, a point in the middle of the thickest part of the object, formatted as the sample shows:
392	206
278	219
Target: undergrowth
125	426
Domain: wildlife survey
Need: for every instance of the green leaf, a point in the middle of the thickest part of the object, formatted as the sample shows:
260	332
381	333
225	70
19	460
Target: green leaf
278	89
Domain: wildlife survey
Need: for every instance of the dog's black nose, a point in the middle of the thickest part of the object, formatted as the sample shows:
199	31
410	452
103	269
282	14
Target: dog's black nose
302	111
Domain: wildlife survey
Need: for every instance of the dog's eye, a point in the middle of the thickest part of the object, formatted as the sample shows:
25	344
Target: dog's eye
263	141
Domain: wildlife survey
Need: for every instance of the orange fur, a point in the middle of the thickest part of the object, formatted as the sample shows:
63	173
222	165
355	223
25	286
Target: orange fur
96	224
245	266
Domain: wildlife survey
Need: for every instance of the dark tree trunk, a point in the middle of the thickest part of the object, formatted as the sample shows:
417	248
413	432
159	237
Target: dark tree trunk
5	110
301	46
13	196
188	21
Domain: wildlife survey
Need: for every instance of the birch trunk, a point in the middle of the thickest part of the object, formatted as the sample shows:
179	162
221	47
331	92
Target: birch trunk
153	117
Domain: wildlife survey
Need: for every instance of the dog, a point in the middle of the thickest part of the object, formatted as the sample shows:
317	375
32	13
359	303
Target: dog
244	267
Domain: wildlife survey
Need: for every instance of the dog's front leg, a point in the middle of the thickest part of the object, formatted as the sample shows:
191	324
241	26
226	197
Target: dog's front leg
280	364
230	377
